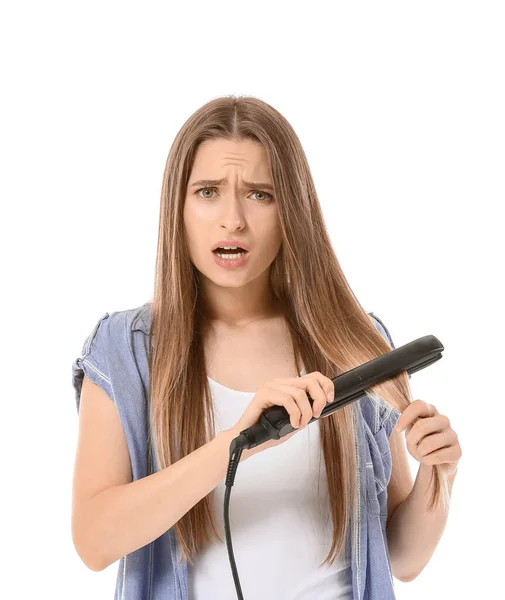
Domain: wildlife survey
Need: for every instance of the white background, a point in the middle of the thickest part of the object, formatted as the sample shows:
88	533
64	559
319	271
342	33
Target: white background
400	109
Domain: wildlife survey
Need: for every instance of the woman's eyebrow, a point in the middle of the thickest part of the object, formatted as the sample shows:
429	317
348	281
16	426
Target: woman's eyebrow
224	181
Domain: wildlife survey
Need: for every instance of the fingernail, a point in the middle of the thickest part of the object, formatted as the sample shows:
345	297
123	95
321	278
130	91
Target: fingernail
330	396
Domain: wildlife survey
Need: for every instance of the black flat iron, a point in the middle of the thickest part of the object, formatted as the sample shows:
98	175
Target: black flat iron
275	422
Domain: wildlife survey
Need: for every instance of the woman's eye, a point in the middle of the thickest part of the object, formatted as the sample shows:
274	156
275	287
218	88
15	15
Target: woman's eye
201	190
264	193
267	199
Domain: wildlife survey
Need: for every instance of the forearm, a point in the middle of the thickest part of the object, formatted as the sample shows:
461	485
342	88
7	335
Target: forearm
413	531
124	518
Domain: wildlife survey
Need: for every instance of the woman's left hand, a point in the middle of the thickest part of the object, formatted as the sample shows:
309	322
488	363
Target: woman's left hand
430	437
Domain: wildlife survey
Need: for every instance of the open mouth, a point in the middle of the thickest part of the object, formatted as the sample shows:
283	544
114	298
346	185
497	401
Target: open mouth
229	253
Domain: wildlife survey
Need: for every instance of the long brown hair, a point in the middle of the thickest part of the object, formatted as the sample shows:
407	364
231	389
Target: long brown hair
330	330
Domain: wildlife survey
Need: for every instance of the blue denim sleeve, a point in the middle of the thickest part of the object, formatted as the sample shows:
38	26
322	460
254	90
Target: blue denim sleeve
383	330
93	360
390	415
379	325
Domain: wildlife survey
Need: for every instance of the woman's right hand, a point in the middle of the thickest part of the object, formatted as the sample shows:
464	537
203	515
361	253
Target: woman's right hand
291	393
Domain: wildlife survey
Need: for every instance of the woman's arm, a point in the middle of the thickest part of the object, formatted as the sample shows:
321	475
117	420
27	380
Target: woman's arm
413	532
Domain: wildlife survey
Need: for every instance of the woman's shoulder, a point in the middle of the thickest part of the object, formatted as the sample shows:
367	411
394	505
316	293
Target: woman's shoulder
376	412
114	329
110	348
140	317
382	329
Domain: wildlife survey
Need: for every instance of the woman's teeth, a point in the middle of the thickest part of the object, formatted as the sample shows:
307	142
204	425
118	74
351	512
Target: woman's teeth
231	256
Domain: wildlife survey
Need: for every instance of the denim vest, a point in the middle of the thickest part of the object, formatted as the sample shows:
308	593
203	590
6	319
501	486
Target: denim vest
114	356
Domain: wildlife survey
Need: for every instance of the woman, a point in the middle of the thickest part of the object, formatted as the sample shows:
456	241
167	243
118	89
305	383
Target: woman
162	390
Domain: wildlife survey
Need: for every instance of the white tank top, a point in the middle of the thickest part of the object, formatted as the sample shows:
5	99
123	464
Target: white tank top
280	521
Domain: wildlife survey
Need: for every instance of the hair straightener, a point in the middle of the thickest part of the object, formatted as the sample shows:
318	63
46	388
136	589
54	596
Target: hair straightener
275	423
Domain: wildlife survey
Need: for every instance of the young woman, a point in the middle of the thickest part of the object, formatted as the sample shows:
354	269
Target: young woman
250	309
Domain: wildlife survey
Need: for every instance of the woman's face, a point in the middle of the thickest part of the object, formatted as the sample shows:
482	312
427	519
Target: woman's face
232	210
